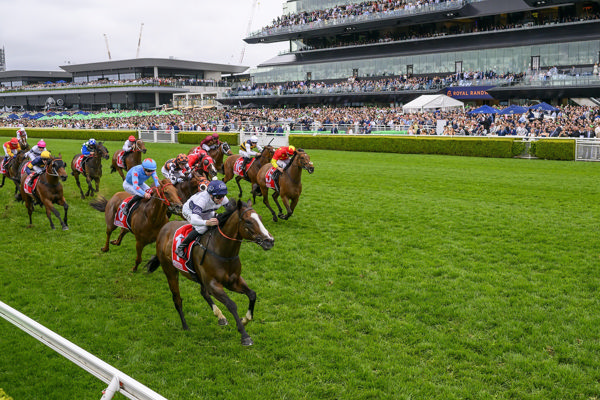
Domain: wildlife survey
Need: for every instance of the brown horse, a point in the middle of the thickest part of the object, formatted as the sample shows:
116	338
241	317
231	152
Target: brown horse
290	184
92	169
12	170
206	168
131	160
264	158
187	188
216	262
48	191
146	219
218	153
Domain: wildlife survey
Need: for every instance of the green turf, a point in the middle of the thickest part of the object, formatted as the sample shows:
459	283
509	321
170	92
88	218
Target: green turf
398	277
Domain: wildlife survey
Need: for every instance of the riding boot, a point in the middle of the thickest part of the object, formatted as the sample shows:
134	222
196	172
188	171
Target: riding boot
276	176
193	235
130	204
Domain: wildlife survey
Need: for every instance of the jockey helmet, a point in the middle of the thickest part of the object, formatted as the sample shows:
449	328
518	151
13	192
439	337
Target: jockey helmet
41	143
149	164
14	141
215	136
291	150
254	139
131	138
92	141
217	188
181	159
45	154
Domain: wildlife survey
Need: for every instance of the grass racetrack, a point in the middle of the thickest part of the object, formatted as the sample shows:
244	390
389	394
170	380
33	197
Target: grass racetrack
398	277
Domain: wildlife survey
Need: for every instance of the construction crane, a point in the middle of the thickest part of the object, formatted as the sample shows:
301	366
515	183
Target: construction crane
137	53
254	3
107	49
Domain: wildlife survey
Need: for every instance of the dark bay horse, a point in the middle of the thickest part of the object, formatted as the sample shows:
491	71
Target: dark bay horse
91	169
13	172
48	191
218	153
264	158
146	219
290	184
187	188
206	167
131	160
219	267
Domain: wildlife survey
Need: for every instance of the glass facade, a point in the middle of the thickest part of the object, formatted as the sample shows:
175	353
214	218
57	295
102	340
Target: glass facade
500	60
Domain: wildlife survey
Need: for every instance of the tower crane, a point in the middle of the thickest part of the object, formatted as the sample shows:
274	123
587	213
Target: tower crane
107	49
137	53
254	3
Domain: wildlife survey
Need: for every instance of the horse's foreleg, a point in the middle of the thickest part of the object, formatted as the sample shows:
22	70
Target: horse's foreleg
237	180
275	197
265	192
216	310
121	173
63	202
286	204
29	205
117	242
97	181
240	286
76	176
3	178
220	295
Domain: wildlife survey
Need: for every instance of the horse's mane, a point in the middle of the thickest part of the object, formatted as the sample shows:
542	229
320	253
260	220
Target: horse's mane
230	208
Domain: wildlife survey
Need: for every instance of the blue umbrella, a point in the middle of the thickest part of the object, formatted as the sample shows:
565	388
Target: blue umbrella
543	107
485	109
514	109
13	116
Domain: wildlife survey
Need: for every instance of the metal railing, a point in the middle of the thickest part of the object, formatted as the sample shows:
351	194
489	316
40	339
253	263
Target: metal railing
117	381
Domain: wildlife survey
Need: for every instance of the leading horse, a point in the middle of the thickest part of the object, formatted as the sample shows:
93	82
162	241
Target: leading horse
290	184
132	159
216	262
90	168
146	219
250	175
48	191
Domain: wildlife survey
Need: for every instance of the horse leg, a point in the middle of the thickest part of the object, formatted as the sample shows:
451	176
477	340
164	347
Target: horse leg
29	205
109	230
76	176
139	247
216	310
3	178
220	295
286	204
117	242
275	197
49	211
264	192
121	173
63	203
237	180
173	280
240	286
97	181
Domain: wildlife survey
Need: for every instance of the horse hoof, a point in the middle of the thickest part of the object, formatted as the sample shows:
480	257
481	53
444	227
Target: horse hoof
223	321
274	218
65	228
114	242
247	341
104	249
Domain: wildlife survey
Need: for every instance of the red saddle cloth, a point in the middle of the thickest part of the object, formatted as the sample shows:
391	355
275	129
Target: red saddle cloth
183	264
237	167
79	163
29	185
2	166
124	219
269	178
120	162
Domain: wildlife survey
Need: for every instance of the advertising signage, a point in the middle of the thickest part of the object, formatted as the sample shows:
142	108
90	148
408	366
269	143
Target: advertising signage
469	92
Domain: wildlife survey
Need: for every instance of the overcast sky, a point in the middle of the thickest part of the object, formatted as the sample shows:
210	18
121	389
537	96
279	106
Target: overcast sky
44	34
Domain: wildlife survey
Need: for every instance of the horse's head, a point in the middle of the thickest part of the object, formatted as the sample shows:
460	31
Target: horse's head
102	150
267	153
168	194
57	167
207	166
303	161
250	226
199	182
226	149
140	146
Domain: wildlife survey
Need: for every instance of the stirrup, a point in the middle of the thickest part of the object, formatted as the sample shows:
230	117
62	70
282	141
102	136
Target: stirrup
180	252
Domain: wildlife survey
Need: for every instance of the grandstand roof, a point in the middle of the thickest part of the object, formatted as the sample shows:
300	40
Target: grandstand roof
154	62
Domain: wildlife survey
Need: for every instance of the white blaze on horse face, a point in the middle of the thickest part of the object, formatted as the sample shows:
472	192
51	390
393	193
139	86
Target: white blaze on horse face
263	230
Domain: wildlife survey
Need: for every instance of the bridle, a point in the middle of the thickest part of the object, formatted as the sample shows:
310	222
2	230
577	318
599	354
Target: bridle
137	146
160	193
240	220
51	168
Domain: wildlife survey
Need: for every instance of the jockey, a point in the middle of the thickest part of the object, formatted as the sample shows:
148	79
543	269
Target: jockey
88	148
22	135
128	145
200	211
38	165
134	181
281	159
176	169
249	149
11	148
196	156
209	142
36	150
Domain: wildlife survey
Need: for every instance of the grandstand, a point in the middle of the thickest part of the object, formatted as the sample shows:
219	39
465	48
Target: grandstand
391	51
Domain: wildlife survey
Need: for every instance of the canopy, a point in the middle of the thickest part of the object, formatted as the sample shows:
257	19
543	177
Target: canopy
485	109
432	102
543	107
513	109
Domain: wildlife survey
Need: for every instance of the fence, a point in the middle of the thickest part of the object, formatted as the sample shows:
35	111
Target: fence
116	380
272	138
587	149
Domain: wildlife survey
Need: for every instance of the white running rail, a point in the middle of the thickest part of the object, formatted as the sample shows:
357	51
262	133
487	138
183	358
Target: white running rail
116	380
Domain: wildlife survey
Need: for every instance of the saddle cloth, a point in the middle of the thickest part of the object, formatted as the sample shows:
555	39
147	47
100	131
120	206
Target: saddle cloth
120	161
28	185
2	166
79	163
124	219
269	178
237	167
183	264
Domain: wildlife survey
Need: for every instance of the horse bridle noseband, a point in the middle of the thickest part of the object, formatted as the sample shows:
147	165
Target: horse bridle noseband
258	241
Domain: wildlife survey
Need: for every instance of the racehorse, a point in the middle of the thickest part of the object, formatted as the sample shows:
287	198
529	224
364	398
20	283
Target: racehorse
250	176
132	159
290	185
48	191
188	187
215	261
206	168
218	153
12	170
146	219
91	169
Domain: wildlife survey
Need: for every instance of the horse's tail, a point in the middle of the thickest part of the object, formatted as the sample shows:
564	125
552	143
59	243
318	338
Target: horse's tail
99	204
153	264
112	169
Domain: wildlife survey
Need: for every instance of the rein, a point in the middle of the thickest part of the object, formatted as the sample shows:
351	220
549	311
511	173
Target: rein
53	167
234	239
160	191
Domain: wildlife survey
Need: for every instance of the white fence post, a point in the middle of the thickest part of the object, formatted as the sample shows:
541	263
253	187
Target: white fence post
116	380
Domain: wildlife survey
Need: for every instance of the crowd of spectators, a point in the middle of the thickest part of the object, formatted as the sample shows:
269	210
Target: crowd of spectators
571	121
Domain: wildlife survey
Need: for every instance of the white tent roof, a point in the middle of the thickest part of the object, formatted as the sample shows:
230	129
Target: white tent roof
431	102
